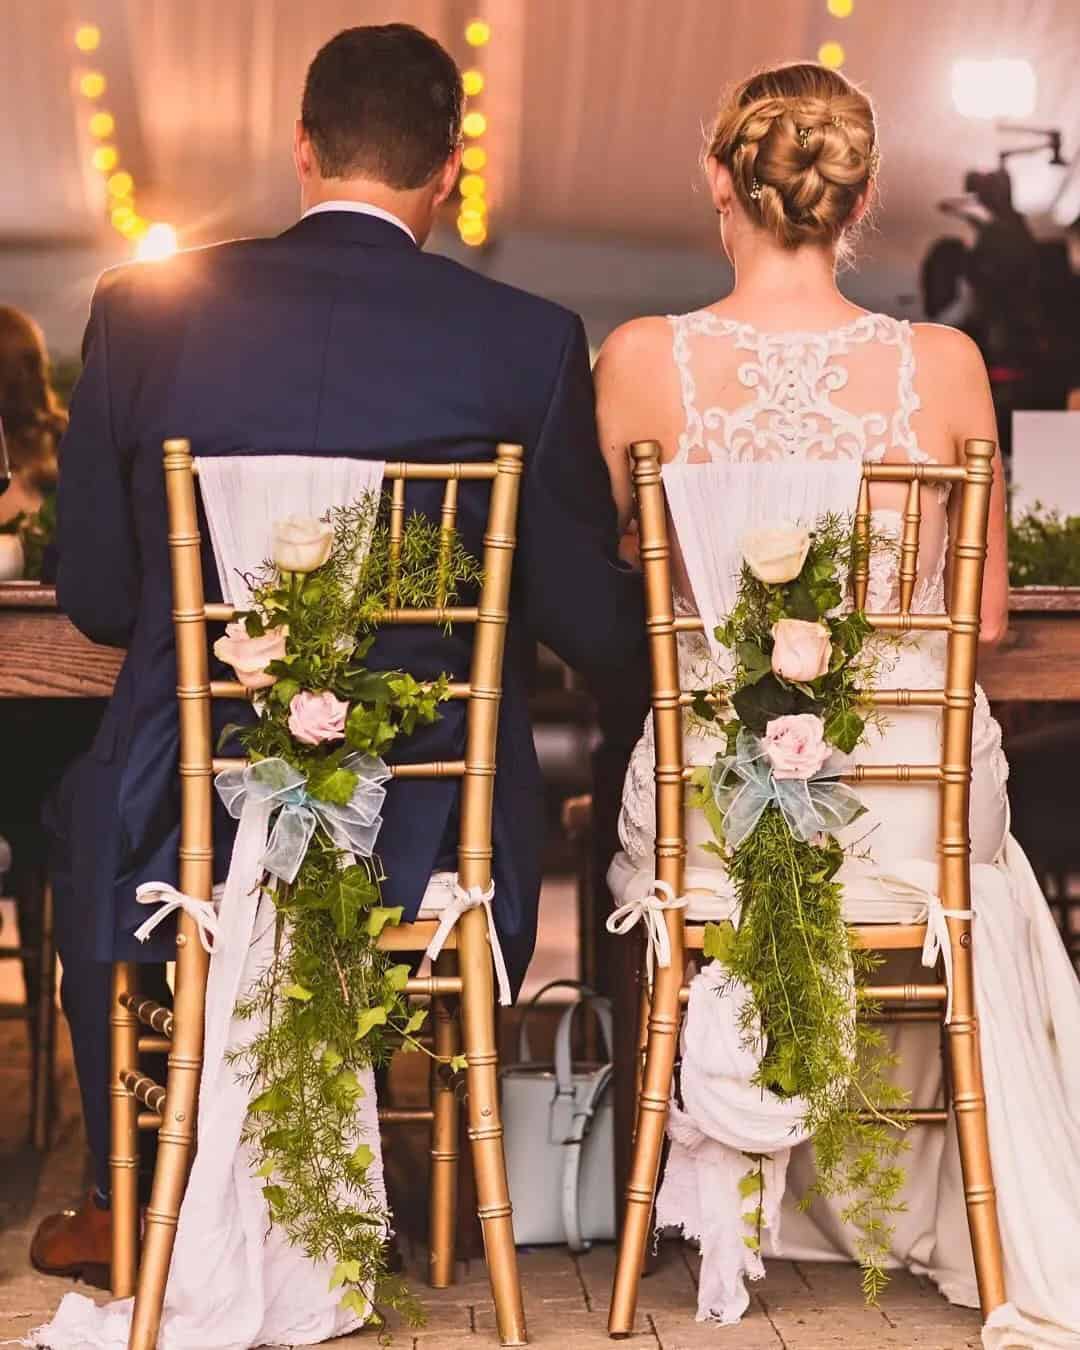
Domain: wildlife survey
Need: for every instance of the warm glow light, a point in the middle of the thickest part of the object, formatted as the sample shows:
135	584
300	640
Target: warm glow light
475	207
472	185
472	81
92	84
121	184
1000	87
474	158
102	124
474	125
121	214
473	233
840	9
134	227
478	33
105	158
88	37
158	243
831	54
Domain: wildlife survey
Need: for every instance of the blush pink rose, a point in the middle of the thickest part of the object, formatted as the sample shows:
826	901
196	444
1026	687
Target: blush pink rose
315	718
795	745
801	650
249	656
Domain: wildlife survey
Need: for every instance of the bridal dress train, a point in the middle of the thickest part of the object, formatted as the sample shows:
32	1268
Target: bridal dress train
787	445
235	1282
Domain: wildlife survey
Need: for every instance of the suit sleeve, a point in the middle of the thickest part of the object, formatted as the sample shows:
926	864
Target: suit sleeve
97	571
579	599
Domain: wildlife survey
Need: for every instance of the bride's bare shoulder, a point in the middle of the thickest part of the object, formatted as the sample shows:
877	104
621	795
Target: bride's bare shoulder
943	353
634	345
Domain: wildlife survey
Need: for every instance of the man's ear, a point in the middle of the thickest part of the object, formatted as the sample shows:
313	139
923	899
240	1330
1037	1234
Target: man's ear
448	176
303	153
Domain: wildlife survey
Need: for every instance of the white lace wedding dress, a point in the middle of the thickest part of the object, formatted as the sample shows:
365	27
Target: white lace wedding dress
776	426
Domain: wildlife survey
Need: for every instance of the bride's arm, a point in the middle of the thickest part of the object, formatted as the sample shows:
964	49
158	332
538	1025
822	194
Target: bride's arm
631	375
971	416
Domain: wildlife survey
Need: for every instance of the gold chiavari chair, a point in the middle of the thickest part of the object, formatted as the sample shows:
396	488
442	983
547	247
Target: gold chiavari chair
952	774
140	1103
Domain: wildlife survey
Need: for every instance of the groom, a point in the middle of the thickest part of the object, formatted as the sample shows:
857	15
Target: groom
338	337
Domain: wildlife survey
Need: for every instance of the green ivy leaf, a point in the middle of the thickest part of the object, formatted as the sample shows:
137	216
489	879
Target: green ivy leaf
276	1196
355	1302
360	1159
345	1272
346	1089
253	624
754	662
416	1021
750	1240
458	1063
718	940
799	601
382	915
298	992
331	1060
349	893
332	784
397	977
751	1184
757	704
273	1102
844	729
368	1019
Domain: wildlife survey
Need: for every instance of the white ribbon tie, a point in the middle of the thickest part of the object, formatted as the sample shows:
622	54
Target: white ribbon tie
475	897
649	909
169	900
913	879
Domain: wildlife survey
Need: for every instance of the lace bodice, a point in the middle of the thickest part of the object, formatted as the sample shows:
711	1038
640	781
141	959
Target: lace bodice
807	395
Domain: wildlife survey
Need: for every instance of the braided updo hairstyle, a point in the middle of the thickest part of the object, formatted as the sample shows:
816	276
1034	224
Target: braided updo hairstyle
800	143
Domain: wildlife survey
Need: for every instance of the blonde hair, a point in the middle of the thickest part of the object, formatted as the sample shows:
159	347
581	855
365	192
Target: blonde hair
800	143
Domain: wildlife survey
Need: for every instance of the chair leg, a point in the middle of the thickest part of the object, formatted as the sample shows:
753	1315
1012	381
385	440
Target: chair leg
176	1137
485	1126
445	1131
969	1104
124	1136
648	1146
44	1025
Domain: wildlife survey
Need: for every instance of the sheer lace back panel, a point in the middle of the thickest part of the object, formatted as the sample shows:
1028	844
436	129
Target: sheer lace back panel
785	408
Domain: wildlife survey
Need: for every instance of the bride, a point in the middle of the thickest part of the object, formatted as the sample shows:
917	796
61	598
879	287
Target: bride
787	373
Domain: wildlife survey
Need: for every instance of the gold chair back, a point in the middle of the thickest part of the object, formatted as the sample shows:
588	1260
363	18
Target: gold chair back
177	1101
952	774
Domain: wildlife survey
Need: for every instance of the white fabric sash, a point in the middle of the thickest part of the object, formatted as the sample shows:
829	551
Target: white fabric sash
755	494
245	494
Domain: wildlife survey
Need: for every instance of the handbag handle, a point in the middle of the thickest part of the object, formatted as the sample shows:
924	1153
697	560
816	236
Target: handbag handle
564	1069
572	1150
588	993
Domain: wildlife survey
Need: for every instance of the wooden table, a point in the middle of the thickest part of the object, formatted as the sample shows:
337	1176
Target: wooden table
43	656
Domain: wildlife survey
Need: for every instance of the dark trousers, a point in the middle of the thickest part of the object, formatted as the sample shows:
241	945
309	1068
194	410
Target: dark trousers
85	993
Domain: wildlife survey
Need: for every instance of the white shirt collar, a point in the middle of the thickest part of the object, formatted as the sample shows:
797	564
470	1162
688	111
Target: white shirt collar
362	209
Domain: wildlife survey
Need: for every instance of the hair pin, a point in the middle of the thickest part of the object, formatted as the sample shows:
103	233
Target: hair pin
755	190
803	134
875	162
836	121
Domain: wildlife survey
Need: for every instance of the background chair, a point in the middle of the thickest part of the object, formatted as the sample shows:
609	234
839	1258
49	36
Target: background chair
171	1109
952	775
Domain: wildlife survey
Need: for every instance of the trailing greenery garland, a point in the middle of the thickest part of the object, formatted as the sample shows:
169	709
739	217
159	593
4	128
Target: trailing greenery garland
799	687
331	1003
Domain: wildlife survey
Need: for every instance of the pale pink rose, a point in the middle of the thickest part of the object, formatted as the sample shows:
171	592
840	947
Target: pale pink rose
249	656
314	718
795	745
801	650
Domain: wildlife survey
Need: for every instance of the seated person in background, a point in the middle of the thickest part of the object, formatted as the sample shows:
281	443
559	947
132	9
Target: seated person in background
31	414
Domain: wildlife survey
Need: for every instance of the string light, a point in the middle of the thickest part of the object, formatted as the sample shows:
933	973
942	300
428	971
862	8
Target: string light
840	9
472	185
92	84
105	158
478	33
120	184
473	82
831	54
474	158
88	37
474	125
102	124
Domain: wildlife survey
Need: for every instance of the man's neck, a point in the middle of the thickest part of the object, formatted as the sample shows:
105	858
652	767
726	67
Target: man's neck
410	208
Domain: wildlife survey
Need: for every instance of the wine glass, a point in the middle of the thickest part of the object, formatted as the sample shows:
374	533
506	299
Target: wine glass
5	462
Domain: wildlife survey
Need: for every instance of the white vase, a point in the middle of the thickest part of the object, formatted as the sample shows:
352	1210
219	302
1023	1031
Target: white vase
12	561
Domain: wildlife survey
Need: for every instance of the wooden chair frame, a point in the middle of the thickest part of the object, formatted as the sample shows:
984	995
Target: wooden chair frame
171	1109
661	1007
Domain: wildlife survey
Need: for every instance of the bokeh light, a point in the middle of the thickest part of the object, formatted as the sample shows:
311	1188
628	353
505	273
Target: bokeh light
478	33
474	125
840	9
472	82
105	158
88	37
102	124
92	84
832	55
157	243
1000	87
474	158
472	185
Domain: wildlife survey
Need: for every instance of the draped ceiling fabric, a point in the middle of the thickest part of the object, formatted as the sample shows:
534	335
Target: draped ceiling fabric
595	106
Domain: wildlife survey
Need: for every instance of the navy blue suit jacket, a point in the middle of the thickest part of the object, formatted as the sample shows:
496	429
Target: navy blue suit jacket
339	337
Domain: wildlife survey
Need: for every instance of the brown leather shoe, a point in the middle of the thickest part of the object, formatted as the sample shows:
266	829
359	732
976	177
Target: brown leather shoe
76	1243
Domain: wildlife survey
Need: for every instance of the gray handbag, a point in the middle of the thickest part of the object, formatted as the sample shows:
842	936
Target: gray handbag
559	1136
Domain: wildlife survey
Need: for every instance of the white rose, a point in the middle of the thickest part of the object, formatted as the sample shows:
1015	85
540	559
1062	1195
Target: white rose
775	553
301	543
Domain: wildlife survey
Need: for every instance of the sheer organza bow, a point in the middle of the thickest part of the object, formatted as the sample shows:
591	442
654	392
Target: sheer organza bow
743	786
353	827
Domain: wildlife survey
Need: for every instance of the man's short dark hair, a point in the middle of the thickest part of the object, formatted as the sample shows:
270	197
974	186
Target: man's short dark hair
383	102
